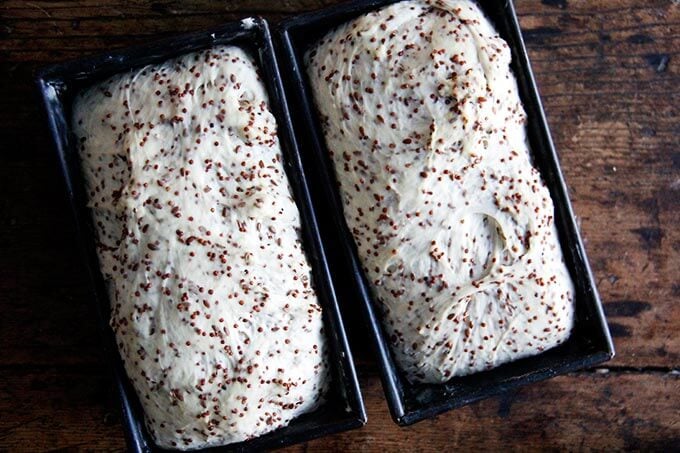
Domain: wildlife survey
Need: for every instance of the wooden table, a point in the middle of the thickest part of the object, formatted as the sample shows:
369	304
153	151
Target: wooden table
609	73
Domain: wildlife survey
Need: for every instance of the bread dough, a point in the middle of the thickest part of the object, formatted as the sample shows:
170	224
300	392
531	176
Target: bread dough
198	236
452	223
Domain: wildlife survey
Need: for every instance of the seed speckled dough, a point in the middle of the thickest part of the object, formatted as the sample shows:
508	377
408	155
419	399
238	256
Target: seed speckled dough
211	295
453	224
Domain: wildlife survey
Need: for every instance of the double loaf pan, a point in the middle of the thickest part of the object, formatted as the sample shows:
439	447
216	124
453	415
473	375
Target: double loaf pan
590	342
328	243
343	408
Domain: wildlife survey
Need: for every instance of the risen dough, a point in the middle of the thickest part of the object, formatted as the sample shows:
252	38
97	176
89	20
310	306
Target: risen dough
453	225
211	296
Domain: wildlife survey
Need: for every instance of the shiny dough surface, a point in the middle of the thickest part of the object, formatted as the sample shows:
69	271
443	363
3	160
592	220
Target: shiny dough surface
198	235
452	223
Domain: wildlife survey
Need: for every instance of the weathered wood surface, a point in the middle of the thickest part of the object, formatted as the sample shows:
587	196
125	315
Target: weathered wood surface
574	412
609	74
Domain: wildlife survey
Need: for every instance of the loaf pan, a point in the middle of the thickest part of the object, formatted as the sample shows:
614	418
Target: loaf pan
590	342
344	408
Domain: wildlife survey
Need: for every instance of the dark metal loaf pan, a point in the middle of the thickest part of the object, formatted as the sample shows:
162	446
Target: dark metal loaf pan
344	408
590	342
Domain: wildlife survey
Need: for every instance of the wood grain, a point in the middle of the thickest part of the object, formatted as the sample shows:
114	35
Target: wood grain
608	72
58	408
575	412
